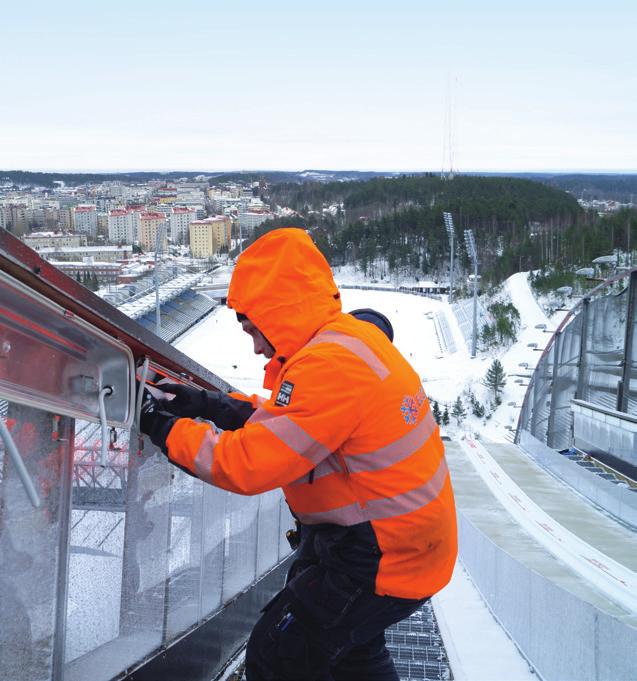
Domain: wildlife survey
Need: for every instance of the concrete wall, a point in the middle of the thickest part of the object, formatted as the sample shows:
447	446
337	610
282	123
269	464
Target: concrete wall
562	636
616	499
596	429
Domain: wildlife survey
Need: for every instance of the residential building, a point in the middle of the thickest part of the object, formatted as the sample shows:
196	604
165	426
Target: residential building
106	272
102	223
14	218
180	219
122	226
150	223
55	240
77	253
65	219
209	236
85	219
251	219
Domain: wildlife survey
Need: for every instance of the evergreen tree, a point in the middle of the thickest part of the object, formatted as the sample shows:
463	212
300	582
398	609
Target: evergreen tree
477	408
458	411
495	380
445	417
435	410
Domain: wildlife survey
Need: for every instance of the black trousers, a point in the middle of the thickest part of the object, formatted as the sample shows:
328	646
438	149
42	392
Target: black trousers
323	626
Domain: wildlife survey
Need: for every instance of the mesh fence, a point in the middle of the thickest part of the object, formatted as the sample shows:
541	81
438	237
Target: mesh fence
593	357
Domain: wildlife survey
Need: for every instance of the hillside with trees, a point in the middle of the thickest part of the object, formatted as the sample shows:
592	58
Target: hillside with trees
394	226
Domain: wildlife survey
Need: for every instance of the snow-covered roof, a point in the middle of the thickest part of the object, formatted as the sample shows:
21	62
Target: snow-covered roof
168	291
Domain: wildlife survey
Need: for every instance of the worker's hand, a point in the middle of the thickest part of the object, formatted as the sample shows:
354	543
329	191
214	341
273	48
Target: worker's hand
154	422
189	402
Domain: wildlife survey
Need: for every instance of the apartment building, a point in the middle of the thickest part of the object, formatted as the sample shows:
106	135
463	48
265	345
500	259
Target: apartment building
150	223
209	236
55	240
249	220
85	219
13	217
122	226
180	219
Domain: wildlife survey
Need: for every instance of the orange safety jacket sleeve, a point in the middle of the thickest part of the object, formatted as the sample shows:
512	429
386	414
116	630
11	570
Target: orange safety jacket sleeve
280	442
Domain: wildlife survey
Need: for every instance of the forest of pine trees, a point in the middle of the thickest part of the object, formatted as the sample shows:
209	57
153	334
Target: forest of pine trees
394	226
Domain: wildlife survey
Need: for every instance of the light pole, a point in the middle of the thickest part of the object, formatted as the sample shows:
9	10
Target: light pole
470	243
450	233
156	273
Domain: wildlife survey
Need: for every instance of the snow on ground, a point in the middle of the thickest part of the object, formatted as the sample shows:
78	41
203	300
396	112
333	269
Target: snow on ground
219	344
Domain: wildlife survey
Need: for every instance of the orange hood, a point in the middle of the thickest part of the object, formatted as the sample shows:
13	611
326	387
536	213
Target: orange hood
284	285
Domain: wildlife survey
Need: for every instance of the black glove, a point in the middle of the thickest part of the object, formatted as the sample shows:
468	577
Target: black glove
188	402
227	412
154	422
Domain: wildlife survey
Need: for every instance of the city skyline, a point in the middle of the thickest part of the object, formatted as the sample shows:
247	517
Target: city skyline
340	87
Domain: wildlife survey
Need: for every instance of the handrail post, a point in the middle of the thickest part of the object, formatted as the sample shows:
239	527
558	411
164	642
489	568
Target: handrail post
581	363
631	322
556	358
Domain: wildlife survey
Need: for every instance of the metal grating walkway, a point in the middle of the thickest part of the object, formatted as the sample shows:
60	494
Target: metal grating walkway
417	648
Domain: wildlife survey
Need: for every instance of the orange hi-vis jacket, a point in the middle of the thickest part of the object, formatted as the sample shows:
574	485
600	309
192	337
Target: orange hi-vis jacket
347	433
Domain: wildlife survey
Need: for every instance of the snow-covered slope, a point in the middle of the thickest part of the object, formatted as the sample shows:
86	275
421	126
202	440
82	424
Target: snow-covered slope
219	344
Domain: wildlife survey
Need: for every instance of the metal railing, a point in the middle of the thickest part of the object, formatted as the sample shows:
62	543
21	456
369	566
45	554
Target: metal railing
592	356
123	561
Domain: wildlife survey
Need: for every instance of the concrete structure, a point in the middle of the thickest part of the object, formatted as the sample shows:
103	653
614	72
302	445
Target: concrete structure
98	253
85	220
55	240
149	224
106	272
180	218
42	217
251	219
563	623
122	226
583	392
14	218
209	236
65	219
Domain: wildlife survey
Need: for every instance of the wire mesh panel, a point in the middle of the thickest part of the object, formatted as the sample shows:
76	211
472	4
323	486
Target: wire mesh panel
630	386
214	513
240	549
566	372
32	560
604	349
185	548
268	531
541	399
286	522
593	358
119	563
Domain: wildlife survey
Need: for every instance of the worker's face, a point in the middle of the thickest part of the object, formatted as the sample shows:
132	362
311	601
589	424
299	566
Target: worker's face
261	345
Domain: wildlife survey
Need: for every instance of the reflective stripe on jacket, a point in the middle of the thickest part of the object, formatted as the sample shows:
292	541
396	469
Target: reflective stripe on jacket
348	432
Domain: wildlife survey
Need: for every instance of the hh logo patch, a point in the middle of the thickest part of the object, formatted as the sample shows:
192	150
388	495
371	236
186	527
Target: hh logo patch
285	394
411	405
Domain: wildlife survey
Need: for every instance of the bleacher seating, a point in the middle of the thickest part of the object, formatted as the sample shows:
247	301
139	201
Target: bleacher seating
179	314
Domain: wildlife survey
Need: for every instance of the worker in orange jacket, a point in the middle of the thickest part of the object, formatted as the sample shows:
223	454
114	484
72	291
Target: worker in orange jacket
349	436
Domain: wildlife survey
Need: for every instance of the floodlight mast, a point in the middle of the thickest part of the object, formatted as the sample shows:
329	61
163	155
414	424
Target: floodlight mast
158	246
470	243
451	234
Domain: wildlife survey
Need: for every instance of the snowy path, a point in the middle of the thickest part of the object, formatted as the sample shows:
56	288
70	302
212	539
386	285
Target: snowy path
522	297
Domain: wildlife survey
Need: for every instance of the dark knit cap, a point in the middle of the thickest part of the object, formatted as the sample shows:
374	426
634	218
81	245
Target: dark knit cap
368	315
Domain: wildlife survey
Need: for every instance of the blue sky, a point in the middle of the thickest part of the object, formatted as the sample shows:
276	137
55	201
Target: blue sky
344	85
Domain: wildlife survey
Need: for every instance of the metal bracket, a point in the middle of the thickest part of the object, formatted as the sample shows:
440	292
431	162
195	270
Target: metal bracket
18	462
